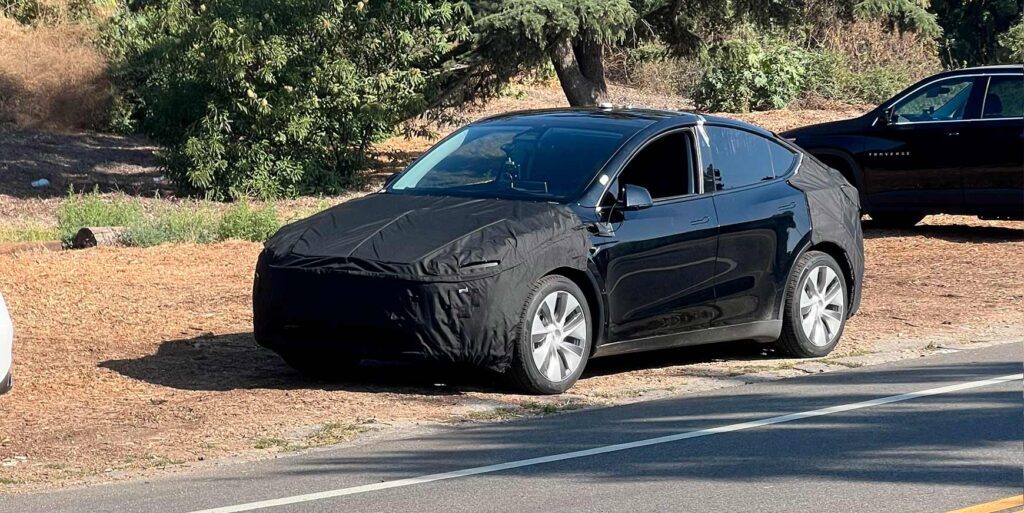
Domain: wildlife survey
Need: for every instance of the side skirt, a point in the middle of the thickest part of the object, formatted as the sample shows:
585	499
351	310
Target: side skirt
761	331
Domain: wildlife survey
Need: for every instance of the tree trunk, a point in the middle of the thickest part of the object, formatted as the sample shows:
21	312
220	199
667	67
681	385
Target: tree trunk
580	70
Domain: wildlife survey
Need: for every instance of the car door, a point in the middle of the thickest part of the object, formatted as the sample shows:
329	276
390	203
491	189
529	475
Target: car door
917	163
761	220
993	175
658	265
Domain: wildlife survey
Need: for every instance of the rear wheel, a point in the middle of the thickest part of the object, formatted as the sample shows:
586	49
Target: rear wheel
815	311
896	220
555	337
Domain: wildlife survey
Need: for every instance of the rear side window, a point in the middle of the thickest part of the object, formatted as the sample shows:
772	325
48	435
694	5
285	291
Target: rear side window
1004	98
737	158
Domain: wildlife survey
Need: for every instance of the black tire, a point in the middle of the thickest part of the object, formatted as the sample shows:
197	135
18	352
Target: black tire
321	366
794	341
524	373
896	221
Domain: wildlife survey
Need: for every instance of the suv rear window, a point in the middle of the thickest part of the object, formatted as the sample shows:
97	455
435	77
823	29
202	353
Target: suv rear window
1004	98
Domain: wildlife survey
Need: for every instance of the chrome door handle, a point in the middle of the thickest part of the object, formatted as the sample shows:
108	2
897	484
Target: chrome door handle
787	206
702	220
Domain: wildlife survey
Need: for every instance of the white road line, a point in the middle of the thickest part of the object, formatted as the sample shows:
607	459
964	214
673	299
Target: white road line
296	499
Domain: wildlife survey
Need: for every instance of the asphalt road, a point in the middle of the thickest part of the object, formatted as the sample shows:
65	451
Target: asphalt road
928	435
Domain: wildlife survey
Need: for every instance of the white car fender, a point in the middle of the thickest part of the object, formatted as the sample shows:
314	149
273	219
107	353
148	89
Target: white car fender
6	347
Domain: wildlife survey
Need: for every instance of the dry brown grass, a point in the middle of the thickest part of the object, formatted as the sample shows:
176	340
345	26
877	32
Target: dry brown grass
51	76
871	45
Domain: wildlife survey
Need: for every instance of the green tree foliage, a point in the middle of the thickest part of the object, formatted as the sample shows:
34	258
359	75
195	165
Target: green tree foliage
272	98
863	64
573	34
972	30
1013	42
747	74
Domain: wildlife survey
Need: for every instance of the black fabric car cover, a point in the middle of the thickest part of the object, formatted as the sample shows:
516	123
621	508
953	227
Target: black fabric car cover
834	207
444	278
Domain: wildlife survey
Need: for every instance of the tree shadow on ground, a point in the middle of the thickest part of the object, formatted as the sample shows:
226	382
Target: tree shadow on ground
906	444
950	232
235	361
81	160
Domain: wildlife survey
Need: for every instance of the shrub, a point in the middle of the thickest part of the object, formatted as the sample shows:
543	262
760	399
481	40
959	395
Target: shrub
878	63
650	67
823	74
242	222
272	99
746	73
859	62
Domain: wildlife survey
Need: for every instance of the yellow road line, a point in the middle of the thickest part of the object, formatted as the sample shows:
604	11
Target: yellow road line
994	506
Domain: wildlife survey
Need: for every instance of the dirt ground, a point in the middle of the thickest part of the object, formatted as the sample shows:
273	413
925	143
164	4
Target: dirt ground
132	359
138	361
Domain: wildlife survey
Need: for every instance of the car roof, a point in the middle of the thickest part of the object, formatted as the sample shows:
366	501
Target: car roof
999	68
626	120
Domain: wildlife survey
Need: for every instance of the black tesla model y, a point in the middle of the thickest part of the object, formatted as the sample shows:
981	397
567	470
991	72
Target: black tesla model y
530	242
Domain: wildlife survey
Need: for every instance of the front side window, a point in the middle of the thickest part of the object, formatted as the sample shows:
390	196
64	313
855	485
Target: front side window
664	167
1004	98
736	158
512	161
945	100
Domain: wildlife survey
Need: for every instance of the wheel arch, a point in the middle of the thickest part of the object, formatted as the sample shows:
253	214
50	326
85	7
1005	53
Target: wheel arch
586	282
839	255
849	167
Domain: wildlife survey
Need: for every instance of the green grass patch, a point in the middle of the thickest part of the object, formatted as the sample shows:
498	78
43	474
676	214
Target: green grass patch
28	233
242	222
199	222
92	209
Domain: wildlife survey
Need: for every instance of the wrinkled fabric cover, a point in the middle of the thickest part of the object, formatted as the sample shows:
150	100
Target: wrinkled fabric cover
835	216
427	277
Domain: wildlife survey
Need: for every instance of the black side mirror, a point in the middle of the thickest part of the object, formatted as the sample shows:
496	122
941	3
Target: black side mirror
636	198
390	180
887	116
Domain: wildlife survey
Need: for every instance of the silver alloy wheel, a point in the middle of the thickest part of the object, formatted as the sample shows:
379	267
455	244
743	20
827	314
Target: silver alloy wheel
559	334
822	305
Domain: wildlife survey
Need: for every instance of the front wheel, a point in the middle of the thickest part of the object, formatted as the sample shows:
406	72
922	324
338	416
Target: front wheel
555	337
815	311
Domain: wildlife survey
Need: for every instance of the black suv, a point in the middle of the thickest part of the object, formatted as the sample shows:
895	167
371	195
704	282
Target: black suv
952	143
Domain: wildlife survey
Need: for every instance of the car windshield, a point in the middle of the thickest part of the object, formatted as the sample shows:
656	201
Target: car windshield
550	163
